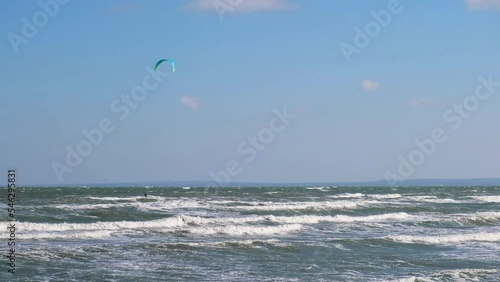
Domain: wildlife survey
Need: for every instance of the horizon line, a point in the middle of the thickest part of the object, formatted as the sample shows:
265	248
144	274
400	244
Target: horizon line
174	183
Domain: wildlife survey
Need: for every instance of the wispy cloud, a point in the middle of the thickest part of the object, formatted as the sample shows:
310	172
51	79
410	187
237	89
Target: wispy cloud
483	4
242	6
370	85
191	102
420	102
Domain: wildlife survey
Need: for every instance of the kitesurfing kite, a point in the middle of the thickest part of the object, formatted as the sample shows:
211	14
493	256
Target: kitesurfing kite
165	60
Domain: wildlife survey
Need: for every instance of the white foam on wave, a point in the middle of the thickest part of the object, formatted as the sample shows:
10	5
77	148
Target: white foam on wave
161	204
465	274
303	219
103	230
479	216
460	219
230	243
220	220
411	279
114	198
106	229
447	239
172	204
385	196
488	199
243	230
348	195
86	206
345	201
113	225
294	206
469	274
311	219
320	188
372	196
419	198
442	201
205	226
239	225
433	199
67	235
184	220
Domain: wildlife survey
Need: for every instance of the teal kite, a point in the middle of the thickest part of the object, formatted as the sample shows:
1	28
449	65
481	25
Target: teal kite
165	60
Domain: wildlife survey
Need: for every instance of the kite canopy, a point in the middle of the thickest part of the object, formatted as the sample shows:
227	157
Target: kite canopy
165	60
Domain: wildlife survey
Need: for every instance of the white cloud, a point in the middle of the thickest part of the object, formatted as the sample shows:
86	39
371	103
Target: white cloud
242	6
420	102
483	4
370	85
190	102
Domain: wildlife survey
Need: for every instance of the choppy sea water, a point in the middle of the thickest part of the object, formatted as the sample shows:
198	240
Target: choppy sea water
257	234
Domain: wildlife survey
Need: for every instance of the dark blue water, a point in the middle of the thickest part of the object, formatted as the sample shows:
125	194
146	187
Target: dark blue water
257	234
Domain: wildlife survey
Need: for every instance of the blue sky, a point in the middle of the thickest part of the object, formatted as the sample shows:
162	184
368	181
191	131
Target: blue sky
354	119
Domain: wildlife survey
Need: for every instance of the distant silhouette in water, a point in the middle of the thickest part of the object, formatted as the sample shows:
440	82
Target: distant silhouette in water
146	195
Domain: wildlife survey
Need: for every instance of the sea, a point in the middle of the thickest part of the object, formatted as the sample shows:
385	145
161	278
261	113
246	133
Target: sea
254	234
